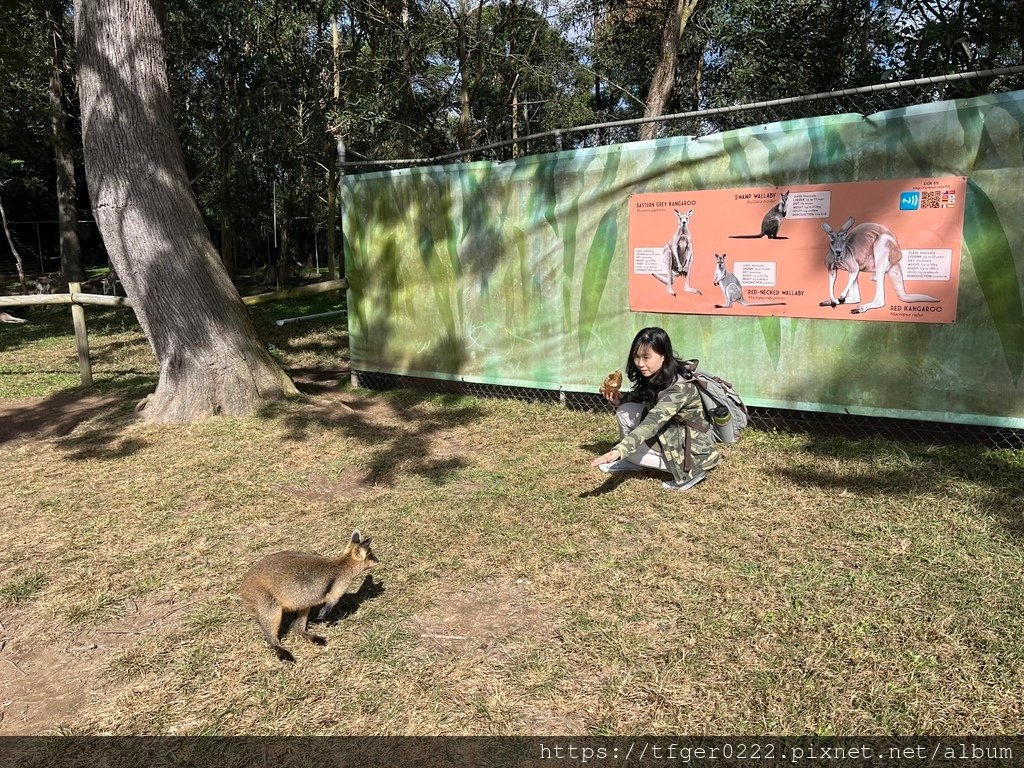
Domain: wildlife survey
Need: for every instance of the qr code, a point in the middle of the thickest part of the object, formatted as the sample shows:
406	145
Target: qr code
938	198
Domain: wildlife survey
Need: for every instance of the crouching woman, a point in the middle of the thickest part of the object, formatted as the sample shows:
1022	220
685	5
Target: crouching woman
661	419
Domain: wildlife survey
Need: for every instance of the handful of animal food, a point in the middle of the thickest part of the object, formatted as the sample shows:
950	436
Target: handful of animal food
612	382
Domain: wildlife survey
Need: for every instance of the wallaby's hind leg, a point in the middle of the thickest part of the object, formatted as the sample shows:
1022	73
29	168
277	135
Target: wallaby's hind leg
300	629
269	614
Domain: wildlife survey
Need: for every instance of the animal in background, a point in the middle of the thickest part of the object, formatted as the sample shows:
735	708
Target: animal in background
772	220
297	582
677	255
8	318
871	248
732	289
110	282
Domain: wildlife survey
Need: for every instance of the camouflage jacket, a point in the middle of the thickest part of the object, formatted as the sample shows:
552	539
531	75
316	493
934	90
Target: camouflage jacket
666	420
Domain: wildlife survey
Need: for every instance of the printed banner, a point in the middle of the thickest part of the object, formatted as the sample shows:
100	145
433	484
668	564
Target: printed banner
872	250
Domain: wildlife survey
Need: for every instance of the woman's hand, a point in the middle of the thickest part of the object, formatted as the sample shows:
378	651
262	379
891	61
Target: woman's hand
613	396
604	458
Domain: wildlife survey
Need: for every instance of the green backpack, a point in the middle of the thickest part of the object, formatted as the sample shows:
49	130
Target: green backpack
723	405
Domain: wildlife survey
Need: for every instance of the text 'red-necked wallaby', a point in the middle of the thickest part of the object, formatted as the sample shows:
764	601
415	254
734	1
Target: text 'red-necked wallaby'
297	582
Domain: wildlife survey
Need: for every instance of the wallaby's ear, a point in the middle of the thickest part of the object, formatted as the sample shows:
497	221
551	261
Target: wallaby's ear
847	225
827	228
356	536
365	543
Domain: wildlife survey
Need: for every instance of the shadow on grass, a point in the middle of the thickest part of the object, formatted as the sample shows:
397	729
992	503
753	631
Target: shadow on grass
403	438
97	416
350	602
876	467
41	324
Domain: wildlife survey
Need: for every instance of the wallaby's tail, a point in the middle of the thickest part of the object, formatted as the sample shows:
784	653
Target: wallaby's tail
766	304
747	237
896	275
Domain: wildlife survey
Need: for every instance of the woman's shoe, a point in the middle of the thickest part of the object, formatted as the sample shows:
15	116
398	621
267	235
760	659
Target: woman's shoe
614	467
685	485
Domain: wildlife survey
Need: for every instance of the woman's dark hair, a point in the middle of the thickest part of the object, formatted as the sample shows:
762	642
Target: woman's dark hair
657	341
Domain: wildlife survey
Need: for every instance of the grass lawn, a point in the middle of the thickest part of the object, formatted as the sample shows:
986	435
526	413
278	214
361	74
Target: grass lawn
811	585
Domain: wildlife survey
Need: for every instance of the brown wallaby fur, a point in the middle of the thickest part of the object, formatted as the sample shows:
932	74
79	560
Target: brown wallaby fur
297	582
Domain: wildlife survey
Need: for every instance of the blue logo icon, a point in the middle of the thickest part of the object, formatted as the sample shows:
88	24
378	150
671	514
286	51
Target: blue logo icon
910	201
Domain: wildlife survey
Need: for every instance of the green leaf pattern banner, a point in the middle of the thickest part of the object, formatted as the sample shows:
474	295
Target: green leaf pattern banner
515	273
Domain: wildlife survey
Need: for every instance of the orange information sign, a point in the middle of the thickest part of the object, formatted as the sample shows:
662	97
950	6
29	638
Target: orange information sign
871	250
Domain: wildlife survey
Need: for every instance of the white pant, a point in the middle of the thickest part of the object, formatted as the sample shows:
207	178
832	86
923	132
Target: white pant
629	415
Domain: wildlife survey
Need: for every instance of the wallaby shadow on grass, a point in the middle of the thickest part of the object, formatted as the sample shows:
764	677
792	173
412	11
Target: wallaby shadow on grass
350	602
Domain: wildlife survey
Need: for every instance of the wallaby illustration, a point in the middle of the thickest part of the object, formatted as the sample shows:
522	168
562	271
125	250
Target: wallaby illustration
298	582
871	248
678	255
771	222
731	288
6	318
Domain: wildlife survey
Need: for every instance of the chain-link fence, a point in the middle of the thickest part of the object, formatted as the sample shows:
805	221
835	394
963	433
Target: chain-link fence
864	100
782	419
857	100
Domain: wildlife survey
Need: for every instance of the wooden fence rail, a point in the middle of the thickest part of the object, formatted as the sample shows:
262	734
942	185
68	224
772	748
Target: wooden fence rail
79	301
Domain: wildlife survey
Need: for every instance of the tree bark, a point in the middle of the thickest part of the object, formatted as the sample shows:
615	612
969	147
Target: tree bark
14	250
677	16
331	153
210	358
67	208
465	108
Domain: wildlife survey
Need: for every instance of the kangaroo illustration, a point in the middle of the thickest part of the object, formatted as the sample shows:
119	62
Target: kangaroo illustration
298	582
678	255
771	222
732	289
871	248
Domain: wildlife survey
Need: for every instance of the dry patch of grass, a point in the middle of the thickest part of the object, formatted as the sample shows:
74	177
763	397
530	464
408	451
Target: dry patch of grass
810	585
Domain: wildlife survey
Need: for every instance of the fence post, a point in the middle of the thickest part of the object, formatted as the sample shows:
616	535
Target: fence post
81	336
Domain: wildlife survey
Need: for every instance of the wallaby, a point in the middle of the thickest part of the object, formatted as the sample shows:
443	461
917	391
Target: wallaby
677	255
298	582
871	248
732	289
771	222
109	282
7	318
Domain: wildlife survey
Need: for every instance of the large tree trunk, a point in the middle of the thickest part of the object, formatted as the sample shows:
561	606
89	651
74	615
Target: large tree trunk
331	152
67	209
211	360
677	15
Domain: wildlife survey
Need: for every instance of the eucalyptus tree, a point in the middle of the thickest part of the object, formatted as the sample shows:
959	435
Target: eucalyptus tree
60	31
26	152
646	57
210	358
937	38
